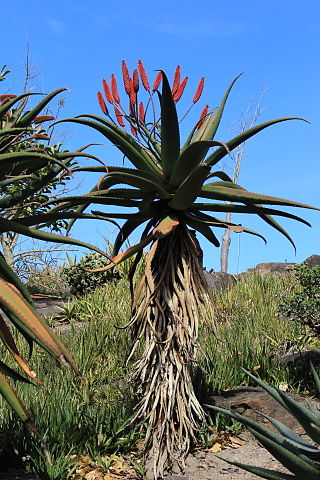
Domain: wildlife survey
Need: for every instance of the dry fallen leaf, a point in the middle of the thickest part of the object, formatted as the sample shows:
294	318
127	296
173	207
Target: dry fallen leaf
216	447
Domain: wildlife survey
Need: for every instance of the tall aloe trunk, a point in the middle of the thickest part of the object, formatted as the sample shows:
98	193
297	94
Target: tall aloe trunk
166	310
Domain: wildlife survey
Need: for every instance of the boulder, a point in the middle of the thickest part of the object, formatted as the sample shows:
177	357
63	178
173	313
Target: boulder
313	260
219	280
272	267
250	401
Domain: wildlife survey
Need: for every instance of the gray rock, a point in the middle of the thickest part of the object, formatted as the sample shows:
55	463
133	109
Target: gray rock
313	261
297	357
272	267
219	280
250	401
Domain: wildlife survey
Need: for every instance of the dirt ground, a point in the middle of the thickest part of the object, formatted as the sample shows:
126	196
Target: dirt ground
210	466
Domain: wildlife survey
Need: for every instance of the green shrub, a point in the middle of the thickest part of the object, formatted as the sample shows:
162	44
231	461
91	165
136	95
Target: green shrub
49	281
304	305
82	281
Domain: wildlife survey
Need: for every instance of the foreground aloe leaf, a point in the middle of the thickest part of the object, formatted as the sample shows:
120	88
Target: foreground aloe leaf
299	456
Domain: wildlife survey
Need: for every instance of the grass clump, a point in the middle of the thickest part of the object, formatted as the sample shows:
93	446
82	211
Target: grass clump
247	331
76	417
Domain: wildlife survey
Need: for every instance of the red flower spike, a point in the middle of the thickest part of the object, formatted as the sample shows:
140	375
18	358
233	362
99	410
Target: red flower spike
43	118
135	80
179	92
119	116
114	89
6	97
157	82
133	95
199	91
143	75
141	113
133	130
176	80
102	103
41	136
107	91
203	116
126	76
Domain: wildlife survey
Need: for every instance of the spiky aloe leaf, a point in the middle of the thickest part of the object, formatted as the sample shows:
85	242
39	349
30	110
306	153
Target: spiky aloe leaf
301	466
8	105
28	117
211	126
11	397
316	377
155	156
31	325
128	227
216	222
307	418
306	448
254	209
204	229
166	226
170	134
11	346
13	226
271	221
189	190
8	275
262	472
124	142
190	158
238	195
215	157
135	180
9	372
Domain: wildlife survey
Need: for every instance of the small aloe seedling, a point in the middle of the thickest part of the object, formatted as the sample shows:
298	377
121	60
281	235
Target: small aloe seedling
299	456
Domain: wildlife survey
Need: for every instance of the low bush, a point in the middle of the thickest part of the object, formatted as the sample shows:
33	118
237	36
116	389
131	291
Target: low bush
49	281
82	281
304	305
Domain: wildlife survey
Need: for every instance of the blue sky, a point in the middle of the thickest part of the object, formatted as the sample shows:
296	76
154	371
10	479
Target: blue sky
276	43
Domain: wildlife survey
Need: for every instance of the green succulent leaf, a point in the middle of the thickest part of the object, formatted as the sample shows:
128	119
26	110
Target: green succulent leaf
301	466
204	229
28	117
254	209
239	195
190	158
215	157
170	134
14	401
13	226
124	142
271	221
262	472
189	190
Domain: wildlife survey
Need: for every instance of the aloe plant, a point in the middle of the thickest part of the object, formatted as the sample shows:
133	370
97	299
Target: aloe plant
299	456
23	159
171	192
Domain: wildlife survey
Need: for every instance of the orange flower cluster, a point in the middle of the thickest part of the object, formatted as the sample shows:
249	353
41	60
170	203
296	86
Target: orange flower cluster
131	87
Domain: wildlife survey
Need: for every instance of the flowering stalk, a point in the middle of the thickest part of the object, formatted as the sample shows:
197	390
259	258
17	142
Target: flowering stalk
157	82
107	91
199	91
143	75
126	77
176	80
178	94
114	89
203	115
102	103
